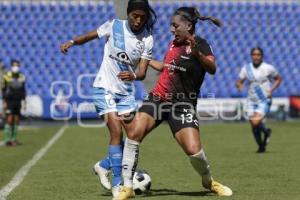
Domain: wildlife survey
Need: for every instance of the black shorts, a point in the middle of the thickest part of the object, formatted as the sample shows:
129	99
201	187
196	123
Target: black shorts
178	115
13	107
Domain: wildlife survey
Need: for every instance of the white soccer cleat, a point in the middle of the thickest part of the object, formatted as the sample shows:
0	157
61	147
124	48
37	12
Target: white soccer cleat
115	191
103	175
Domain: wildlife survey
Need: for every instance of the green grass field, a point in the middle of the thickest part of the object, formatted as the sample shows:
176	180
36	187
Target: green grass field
65	170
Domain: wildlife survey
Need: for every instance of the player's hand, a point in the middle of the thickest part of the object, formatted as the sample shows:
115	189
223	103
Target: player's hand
126	76
65	46
192	44
239	87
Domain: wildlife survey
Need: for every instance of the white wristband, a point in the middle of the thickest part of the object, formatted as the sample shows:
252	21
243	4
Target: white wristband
134	76
72	41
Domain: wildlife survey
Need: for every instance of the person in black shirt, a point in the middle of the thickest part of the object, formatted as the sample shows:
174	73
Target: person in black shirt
173	99
13	94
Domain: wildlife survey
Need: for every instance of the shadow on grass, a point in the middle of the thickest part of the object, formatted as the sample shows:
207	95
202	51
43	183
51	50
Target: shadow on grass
106	194
169	192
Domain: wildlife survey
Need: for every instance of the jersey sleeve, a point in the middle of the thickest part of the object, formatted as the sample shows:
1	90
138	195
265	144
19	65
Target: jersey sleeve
147	53
272	71
204	47
243	73
105	29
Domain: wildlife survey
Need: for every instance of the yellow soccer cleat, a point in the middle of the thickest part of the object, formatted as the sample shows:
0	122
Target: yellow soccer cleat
125	193
219	189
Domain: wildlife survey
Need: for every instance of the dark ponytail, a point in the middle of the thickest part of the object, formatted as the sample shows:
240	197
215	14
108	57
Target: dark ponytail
214	20
192	15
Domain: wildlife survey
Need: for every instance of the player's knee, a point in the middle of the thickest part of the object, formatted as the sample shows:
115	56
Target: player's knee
135	134
255	123
192	149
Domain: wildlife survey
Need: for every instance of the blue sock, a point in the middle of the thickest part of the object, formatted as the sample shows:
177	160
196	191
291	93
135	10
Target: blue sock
115	158
105	163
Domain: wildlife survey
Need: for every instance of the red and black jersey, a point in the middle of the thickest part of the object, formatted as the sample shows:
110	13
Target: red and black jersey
182	76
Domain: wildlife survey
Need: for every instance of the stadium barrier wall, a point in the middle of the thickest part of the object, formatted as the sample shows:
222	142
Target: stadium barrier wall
62	108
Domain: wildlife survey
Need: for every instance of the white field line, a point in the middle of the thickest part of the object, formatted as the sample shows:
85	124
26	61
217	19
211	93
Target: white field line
19	176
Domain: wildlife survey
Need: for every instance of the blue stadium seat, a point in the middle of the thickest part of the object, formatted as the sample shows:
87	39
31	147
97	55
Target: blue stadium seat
273	26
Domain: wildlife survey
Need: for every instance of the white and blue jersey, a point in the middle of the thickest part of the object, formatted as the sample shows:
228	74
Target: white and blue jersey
122	52
259	85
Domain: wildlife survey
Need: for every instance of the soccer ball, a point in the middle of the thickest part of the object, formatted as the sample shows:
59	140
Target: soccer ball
141	181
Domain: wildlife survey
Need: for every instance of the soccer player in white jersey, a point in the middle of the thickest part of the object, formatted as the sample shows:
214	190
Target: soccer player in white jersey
260	76
129	46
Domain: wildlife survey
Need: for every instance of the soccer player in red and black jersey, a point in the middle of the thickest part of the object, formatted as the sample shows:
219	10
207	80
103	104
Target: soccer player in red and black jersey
174	99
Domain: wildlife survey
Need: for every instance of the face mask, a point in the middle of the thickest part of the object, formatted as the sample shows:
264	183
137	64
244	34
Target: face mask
15	69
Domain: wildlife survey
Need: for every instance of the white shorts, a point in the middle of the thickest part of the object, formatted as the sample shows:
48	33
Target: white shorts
262	108
106	102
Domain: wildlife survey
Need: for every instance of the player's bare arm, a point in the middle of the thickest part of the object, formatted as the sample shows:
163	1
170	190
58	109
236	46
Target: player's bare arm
277	81
142	69
157	65
240	84
79	40
208	62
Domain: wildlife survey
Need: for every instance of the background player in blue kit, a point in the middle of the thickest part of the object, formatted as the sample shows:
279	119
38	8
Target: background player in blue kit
129	45
259	75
